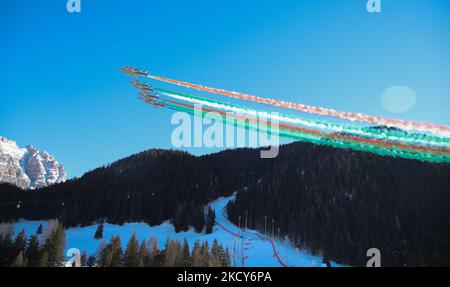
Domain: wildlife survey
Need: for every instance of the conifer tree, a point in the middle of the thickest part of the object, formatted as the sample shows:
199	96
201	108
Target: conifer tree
99	232
204	257
210	219
171	253
32	252
226	262
39	229
43	259
186	261
153	245
6	245
154	253
55	243
131	258
20	242
215	255
196	255
114	253
143	255
99	253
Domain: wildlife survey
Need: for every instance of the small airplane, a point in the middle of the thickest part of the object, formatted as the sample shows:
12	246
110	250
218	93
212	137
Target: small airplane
142	86
134	72
154	103
146	94
151	99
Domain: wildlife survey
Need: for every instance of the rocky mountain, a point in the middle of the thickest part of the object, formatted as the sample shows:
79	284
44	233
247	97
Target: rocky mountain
28	168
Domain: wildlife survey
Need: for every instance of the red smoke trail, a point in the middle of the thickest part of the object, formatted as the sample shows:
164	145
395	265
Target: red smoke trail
404	124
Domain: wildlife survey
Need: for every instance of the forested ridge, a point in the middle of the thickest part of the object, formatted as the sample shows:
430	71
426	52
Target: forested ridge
340	203
335	202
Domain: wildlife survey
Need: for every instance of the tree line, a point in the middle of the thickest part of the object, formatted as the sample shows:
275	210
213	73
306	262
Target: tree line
46	249
20	251
153	187
148	254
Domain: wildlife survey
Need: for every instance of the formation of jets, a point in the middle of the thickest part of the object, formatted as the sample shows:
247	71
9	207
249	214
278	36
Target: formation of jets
142	86
145	88
151	99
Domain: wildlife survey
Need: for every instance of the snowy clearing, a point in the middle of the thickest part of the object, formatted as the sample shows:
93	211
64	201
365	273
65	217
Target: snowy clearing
248	247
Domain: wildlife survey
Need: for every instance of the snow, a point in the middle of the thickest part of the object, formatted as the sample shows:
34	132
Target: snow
248	247
11	148
259	250
27	167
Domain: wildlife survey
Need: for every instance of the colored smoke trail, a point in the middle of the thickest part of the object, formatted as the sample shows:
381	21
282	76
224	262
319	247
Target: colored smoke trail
335	136
323	141
378	134
334	140
403	124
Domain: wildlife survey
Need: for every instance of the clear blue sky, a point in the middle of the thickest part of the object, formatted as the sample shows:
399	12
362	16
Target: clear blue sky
61	92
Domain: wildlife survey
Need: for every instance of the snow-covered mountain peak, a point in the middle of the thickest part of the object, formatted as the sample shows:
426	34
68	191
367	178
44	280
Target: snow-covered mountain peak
28	167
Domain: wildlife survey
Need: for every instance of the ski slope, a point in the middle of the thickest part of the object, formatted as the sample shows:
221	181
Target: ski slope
253	249
248	248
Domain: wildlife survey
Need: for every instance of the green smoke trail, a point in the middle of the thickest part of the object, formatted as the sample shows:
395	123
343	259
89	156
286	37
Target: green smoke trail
381	134
297	135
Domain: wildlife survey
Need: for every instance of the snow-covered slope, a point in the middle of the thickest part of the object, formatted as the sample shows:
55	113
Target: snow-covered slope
28	167
249	247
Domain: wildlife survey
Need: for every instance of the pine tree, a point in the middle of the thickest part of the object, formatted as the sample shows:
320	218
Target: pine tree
210	219
39	229
215	255
117	252
227	261
153	245
204	257
112	254
196	258
131	258
55	243
32	252
155	255
171	253
143	255
99	232
186	261
20	242
224	256
43	259
179	259
7	249
99	253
